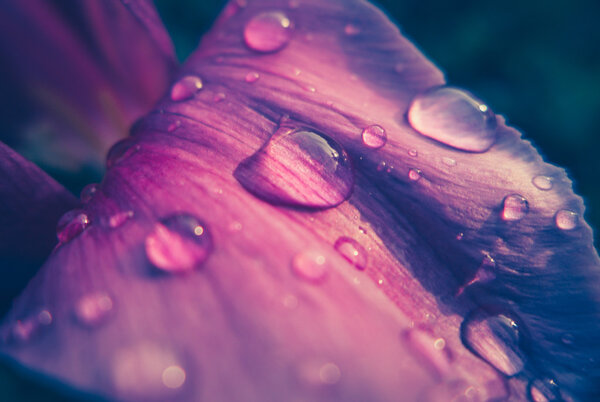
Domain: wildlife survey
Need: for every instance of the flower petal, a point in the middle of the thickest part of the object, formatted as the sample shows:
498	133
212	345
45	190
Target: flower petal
464	291
76	74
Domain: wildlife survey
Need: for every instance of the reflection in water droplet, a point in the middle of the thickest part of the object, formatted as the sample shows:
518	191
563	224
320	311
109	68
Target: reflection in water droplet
310	265
268	31
566	220
179	243
374	136
71	224
252	76
92	309
496	339
543	183
454	118
352	251
414	174
88	192
544	390
119	218
186	88
430	349
119	151
515	207
298	168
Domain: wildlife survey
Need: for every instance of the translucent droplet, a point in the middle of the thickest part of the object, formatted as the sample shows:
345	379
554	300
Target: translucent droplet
298	167
514	208
544	390
351	30
268	31
413	153
119	151
543	183
219	97
174	126
414	174
454	118
119	219
566	220
352	251
430	349
310	266
71	224
495	338
25	329
91	310
252	76
374	136
179	243
448	161
186	88
88	192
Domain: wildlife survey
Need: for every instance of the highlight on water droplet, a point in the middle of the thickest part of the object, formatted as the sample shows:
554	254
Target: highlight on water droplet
298	167
543	183
414	174
496	338
186	88
544	390
88	192
429	349
514	207
374	136
252	76
454	118
413	152
352	251
118	219
179	243
566	219
92	309
268	31
71	224
310	265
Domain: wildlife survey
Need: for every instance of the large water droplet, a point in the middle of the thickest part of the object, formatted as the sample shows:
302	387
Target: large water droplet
88	192
92	309
566	220
454	118
179	243
352	251
543	183
71	224
495	338
310	265
298	168
186	88
268	31
514	208
374	136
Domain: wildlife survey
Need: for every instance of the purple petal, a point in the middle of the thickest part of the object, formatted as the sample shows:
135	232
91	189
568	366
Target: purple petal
467	290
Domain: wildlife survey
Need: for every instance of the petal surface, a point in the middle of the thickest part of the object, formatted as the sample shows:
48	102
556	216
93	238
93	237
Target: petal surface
474	284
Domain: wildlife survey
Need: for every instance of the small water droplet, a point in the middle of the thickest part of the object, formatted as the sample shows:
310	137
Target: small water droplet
219	97
566	220
120	151
173	377
352	251
25	329
413	153
351	30
268	31
92	309
414	174
514	208
543	183
252	76
71	224
298	167
448	161
174	126
454	118
186	88
495	338
544	390
429	348
310	265
119	219
179	243
88	192
374	136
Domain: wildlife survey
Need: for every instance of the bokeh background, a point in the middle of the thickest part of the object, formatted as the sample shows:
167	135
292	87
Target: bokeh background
535	62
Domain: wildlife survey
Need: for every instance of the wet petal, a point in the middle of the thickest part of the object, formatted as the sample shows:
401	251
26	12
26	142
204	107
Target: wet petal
452	301
75	75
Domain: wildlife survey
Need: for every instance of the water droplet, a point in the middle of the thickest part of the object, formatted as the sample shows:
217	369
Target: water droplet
174	126
268	31
25	329
329	373
413	153
515	207
119	151
252	76
310	265
318	372
88	192
414	174
495	338
544	390
298	168
352	251
71	224
186	88
374	136
179	243
543	183
448	161
119	218
219	97
92	309
351	30
173	377
454	118
566	220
